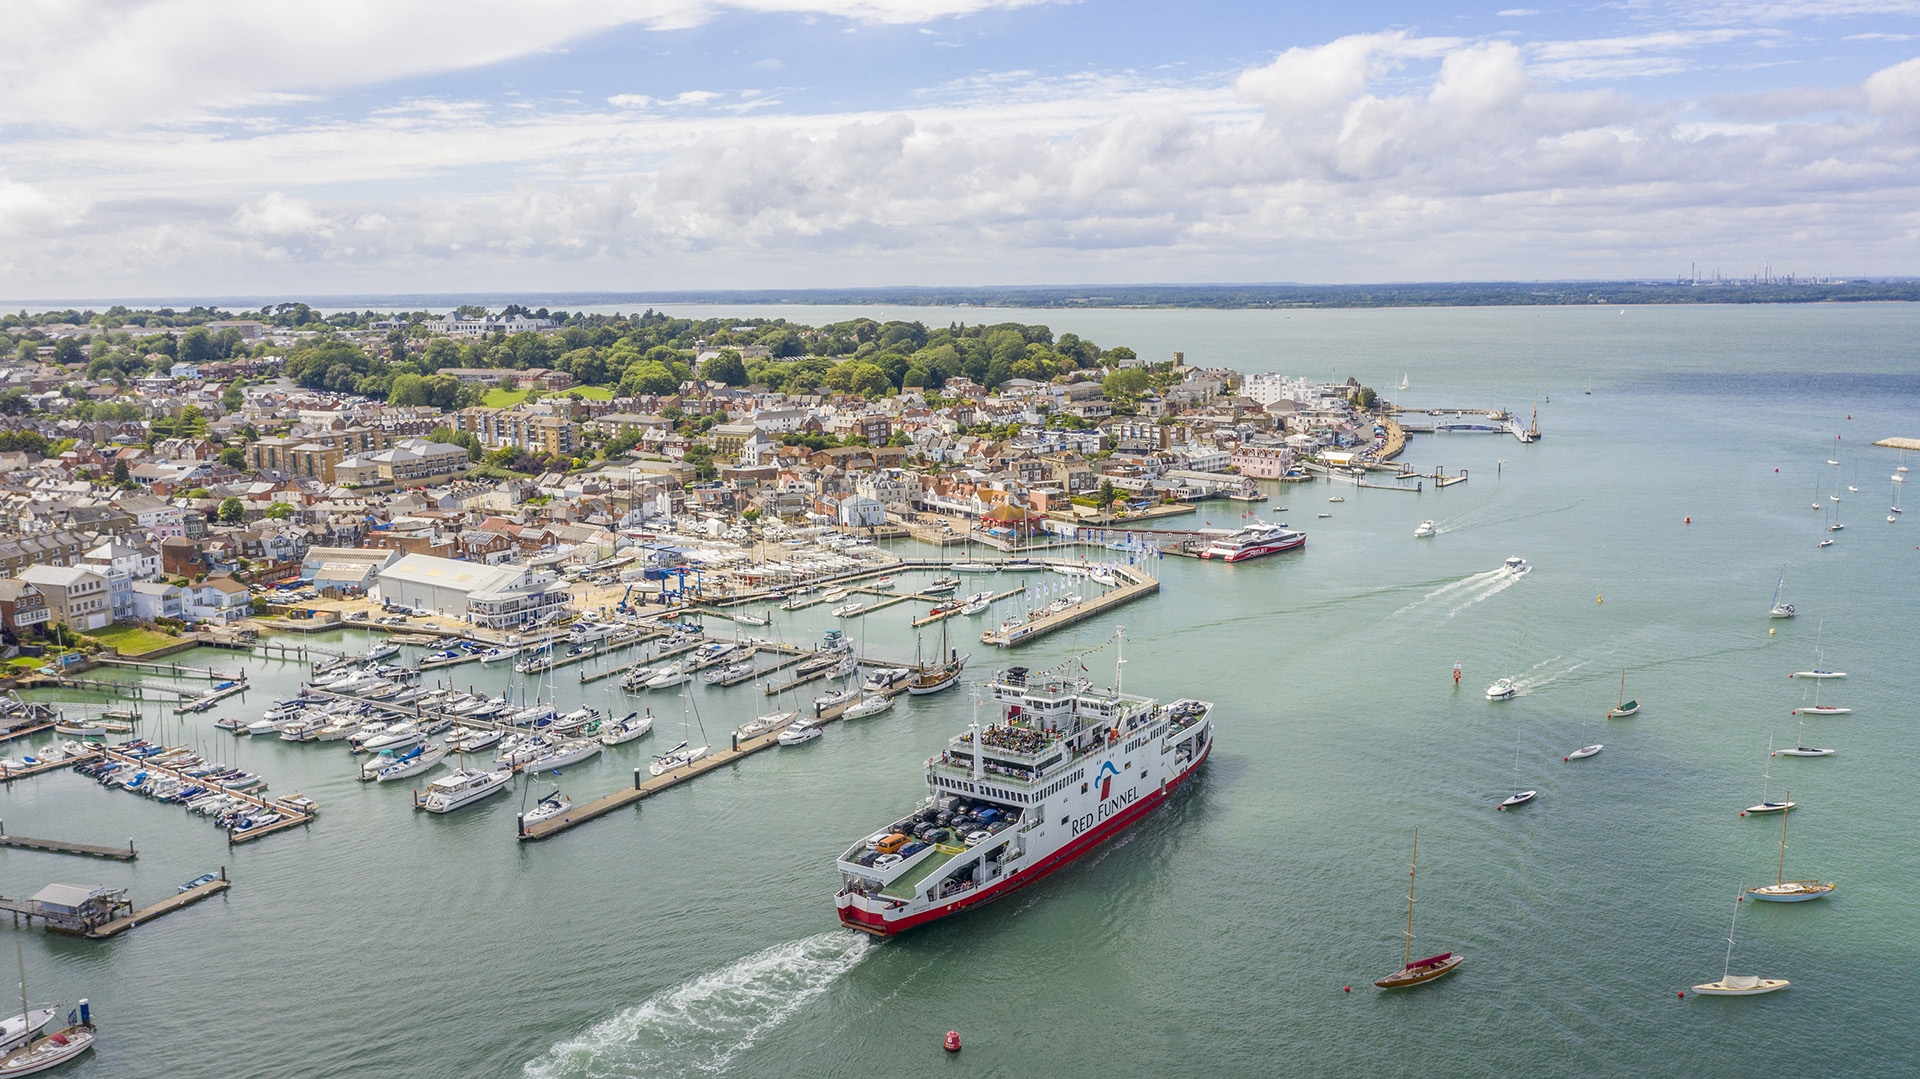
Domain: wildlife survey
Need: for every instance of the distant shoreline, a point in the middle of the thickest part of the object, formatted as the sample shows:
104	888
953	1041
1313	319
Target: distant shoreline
1101	297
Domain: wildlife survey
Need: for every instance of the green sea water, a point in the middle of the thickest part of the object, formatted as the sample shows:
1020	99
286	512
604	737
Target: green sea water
695	935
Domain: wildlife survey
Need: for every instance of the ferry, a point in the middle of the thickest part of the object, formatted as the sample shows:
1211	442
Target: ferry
1066	767
1252	541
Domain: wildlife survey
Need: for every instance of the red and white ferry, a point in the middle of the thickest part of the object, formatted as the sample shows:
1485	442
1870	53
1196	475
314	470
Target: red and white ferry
1065	768
1256	539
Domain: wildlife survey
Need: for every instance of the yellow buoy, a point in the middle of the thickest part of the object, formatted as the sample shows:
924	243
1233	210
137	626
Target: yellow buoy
1599	599
1769	633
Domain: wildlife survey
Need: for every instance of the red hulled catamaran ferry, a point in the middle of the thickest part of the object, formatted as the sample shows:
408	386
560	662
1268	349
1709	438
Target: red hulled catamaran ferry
1066	767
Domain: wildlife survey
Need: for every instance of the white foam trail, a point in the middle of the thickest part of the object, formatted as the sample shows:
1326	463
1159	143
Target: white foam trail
1493	588
1452	587
697	1027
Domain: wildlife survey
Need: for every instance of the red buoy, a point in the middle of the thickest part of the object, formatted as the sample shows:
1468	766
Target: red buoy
1349	989
953	1041
1689	520
1682	994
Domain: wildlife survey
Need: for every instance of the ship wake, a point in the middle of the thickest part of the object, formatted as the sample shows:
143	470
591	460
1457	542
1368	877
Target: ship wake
1452	590
699	1026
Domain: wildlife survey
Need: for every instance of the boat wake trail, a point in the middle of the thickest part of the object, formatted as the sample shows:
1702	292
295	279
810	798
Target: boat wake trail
1502	580
1454	588
697	1027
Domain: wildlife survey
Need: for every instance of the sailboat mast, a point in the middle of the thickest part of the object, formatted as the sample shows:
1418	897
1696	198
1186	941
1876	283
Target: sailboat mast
1781	877
21	954
1411	870
1728	965
1623	690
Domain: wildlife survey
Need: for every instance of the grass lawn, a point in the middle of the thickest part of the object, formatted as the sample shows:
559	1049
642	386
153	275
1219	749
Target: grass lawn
132	640
589	393
25	661
499	398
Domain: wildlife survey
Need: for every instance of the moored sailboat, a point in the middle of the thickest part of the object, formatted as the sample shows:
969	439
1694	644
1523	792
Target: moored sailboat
1783	890
1738	985
1625	707
1417	972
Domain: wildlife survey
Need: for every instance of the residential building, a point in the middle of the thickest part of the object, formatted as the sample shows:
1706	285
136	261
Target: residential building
218	599
1262	462
23	607
77	597
153	600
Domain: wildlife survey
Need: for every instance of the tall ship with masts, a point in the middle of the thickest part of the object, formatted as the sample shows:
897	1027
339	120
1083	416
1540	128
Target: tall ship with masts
1065	767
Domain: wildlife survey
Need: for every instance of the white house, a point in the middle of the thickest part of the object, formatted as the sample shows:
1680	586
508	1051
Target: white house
217	599
158	599
860	511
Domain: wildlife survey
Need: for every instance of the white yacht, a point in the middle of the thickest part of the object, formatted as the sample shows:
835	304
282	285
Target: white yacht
565	754
1504	689
678	757
463	788
869	706
426	760
800	733
669	677
1425	531
494	655
887	679
551	806
17	1030
626	729
1517	566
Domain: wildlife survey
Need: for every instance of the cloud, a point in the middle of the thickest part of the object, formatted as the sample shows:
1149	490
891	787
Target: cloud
1374	156
1516	13
148	60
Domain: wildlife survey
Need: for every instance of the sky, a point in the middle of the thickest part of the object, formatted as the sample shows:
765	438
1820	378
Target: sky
272	148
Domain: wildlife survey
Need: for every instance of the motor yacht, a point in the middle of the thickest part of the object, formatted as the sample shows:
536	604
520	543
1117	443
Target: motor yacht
1501	690
1517	566
463	788
1425	531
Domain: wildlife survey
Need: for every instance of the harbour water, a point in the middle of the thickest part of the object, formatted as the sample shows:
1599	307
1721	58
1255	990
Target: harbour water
695	934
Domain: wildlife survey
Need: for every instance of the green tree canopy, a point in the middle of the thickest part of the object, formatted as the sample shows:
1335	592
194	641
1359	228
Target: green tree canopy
232	511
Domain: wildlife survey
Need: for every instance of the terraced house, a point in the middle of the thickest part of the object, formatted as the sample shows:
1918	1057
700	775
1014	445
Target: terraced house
76	596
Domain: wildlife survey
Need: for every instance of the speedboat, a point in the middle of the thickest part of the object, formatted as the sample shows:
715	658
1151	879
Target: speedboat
396	737
669	677
1504	689
848	610
1583	753
678	757
473	741
638	677
16	1030
869	706
1425	530
800	733
886	679
1517	566
1519	798
463	788
1336	498
379	652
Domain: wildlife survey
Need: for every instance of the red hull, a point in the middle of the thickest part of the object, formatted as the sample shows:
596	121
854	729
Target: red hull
1255	552
869	922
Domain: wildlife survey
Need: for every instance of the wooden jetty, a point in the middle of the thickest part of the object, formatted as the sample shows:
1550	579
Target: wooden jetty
665	653
932	618
291	816
1415	489
179	901
8	773
60	846
27	732
207	700
652	784
176	670
1139	584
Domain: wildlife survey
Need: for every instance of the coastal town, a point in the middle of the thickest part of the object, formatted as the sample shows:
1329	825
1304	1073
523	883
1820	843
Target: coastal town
166	473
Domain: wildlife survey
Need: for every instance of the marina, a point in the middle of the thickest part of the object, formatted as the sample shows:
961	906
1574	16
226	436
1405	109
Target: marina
1138	586
1301	724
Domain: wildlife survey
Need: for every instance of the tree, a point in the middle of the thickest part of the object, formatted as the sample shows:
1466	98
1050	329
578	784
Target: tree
121	477
234	457
1126	382
726	368
1105	496
277	511
232	511
231	398
66	351
196	345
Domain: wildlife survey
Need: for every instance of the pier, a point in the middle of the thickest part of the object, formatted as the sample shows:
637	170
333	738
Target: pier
291	816
180	901
932	618
1138	585
59	846
8	773
175	670
652	785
